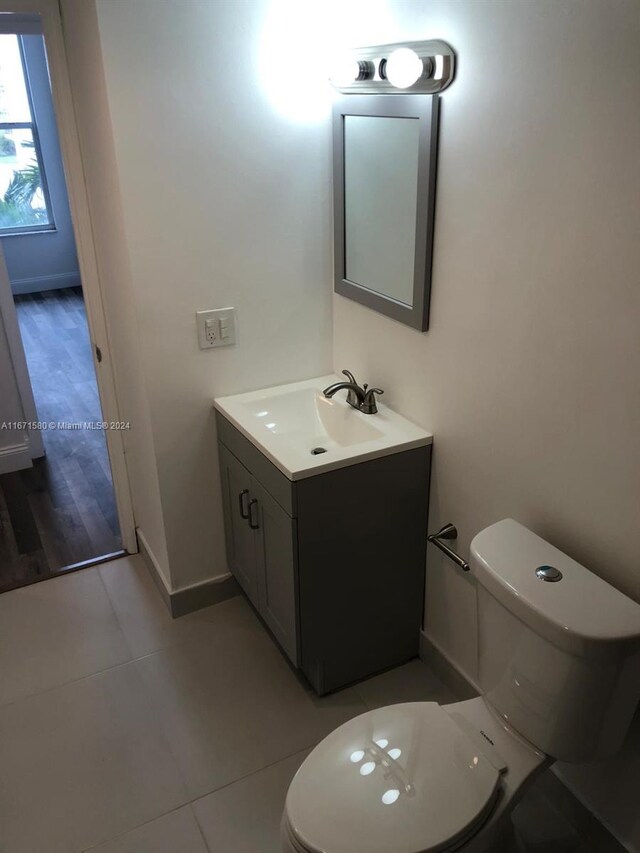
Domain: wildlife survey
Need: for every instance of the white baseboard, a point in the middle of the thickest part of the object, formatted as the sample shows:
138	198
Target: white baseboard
153	567
203	594
455	679
15	458
185	600
20	286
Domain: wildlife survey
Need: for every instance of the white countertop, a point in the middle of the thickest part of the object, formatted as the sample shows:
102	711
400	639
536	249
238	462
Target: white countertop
288	421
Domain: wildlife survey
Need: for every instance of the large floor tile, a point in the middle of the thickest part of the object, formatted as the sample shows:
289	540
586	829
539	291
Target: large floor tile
81	764
233	705
55	632
559	797
412	682
540	826
142	614
245	817
176	832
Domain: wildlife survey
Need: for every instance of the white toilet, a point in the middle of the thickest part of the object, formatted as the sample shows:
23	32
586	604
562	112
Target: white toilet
559	663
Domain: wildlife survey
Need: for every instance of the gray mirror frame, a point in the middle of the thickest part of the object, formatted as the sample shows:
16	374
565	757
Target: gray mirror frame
425	109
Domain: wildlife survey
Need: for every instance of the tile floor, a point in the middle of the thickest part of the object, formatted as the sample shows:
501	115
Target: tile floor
124	731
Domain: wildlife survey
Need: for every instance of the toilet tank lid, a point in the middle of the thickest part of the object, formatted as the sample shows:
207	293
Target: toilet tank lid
578	612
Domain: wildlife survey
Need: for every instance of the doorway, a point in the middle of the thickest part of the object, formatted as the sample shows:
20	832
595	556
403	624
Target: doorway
58	508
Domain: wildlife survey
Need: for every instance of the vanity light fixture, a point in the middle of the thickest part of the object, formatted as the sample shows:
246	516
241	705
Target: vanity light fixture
414	67
404	68
348	69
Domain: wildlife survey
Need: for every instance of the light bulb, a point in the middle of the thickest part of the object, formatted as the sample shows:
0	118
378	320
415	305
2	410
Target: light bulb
403	68
367	768
395	754
383	743
348	69
389	797
357	756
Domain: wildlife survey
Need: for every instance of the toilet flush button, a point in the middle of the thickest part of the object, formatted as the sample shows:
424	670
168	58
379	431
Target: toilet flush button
549	573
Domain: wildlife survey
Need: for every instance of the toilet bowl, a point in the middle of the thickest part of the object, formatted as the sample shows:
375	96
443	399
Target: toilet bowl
418	777
409	778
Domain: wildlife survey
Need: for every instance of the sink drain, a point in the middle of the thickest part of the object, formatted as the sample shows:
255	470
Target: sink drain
318	450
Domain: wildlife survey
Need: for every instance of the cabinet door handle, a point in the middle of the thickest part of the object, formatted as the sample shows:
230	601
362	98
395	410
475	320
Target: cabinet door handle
244	512
253	503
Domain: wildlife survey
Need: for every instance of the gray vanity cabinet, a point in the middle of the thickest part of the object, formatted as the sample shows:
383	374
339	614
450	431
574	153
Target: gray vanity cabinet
260	540
276	541
333	563
240	538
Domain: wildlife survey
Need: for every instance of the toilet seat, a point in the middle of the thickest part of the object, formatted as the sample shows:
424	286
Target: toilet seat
405	778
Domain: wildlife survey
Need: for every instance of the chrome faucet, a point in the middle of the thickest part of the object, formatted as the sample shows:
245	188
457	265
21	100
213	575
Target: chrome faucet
363	399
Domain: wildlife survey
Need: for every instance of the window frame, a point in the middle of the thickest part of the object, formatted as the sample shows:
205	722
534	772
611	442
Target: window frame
21	230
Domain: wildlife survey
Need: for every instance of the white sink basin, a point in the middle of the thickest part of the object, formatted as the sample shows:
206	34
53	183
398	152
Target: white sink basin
288	422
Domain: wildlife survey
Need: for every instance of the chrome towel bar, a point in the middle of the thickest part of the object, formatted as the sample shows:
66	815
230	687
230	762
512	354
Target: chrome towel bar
449	531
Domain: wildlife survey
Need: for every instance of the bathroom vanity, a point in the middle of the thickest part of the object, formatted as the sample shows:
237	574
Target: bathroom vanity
329	546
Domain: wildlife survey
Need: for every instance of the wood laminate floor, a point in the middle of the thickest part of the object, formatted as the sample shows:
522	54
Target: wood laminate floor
62	511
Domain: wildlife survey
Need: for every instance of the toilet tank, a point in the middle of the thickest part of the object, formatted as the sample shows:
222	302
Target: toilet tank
558	660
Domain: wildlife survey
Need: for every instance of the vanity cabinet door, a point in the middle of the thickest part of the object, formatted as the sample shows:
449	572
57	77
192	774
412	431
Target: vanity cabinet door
240	538
276	557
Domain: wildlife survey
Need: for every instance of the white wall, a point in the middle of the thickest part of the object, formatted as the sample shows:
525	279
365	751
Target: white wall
529	376
101	174
226	202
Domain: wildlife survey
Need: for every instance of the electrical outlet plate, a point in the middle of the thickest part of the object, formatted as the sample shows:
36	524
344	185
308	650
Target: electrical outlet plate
216	328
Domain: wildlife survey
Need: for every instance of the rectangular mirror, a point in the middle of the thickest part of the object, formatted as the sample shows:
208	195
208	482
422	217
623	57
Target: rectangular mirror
384	190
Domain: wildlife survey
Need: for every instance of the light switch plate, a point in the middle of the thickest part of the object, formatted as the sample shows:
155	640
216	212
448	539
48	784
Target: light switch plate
216	328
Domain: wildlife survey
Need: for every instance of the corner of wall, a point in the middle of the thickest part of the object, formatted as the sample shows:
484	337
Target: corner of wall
93	121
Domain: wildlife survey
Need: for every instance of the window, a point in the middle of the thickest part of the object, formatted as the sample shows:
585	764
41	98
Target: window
24	200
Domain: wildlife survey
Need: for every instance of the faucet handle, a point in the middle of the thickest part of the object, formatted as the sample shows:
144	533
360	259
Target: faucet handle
352	398
368	405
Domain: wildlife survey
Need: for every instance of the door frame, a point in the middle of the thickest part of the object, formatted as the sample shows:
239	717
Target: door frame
49	12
